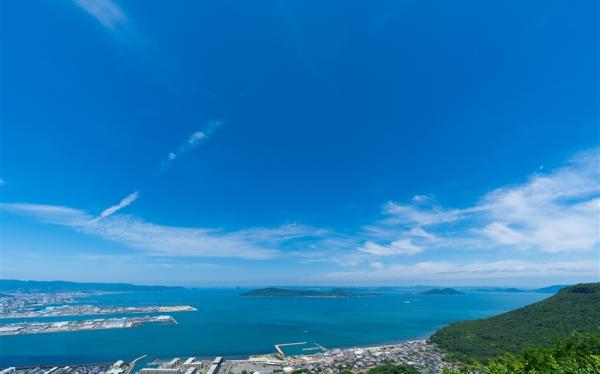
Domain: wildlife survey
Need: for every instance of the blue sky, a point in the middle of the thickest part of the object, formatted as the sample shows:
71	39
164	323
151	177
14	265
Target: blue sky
276	142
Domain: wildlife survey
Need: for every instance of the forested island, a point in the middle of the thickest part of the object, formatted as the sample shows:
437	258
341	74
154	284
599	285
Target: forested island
288	292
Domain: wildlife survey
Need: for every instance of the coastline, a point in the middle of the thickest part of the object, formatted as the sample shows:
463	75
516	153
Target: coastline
238	357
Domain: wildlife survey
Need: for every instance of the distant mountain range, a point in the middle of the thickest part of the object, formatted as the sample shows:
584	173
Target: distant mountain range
9	285
442	291
574	308
289	292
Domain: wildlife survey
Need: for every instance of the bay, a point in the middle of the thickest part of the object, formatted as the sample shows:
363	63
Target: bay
235	326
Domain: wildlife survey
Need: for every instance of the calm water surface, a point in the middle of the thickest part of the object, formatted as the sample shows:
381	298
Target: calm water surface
234	326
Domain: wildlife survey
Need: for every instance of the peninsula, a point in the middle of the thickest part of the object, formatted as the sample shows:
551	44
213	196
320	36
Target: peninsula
22	328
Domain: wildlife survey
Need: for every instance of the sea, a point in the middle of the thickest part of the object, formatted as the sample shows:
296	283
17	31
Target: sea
234	326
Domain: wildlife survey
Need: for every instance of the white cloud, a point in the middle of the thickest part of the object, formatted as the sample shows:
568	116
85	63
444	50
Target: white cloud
160	240
192	142
397	247
107	12
556	212
443	271
53	214
552	212
196	137
126	201
551	215
419	232
422	215
422	198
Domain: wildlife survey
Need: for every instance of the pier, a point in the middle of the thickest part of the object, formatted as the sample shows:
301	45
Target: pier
280	352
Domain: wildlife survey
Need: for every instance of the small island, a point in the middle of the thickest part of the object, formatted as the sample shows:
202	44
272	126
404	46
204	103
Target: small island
442	291
287	292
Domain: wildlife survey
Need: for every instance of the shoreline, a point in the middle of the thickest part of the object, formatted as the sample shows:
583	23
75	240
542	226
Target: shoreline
35	328
236	357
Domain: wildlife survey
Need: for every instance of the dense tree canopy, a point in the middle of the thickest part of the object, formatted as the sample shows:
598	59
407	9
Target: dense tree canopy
575	308
578	354
393	369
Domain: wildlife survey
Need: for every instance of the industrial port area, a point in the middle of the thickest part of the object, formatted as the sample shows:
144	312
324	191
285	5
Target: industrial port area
21	328
15	305
90	310
421	354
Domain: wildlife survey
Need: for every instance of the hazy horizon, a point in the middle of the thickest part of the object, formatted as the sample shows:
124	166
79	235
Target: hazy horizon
522	286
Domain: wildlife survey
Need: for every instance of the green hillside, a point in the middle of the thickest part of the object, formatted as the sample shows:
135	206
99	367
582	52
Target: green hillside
575	308
577	354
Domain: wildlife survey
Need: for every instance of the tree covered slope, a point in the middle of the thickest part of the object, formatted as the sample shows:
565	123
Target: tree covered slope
575	308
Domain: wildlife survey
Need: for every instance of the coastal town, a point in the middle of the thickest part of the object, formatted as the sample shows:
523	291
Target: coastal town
424	356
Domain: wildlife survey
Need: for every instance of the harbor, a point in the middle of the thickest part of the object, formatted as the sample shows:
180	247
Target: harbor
424	356
88	310
24	328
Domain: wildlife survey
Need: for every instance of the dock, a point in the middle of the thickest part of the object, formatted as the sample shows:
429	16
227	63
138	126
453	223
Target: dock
280	352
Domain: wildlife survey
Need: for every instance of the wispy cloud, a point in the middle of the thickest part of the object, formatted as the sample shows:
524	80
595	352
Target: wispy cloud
193	141
122	204
429	271
2	182
107	12
54	214
556	212
553	214
397	247
160	240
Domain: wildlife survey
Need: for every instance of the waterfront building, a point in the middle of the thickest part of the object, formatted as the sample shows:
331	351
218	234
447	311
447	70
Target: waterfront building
173	363
158	371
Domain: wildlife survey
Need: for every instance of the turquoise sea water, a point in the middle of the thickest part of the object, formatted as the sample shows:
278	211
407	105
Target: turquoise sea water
234	326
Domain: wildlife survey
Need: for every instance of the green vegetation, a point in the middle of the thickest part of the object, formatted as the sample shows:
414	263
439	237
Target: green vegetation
286	292
393	369
442	291
579	353
575	308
